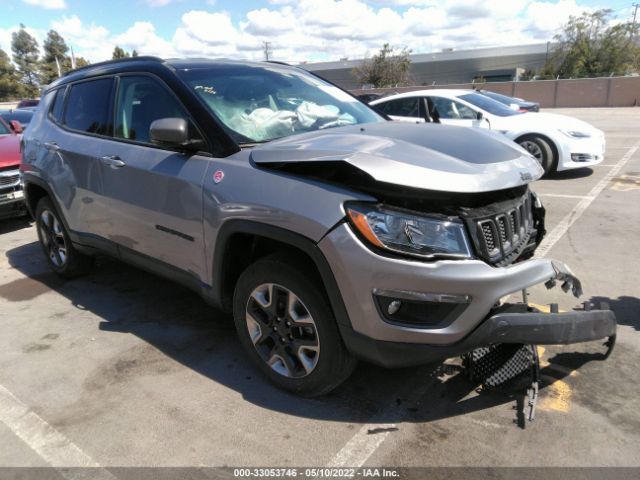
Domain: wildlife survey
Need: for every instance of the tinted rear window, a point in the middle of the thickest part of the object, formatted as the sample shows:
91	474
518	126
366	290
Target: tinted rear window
89	107
58	104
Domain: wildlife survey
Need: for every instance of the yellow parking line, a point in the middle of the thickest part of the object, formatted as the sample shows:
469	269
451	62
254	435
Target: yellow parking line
557	396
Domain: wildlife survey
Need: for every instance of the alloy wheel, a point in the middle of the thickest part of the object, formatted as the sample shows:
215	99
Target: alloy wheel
52	237
534	149
282	330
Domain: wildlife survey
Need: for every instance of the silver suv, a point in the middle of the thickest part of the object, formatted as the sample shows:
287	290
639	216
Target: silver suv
330	233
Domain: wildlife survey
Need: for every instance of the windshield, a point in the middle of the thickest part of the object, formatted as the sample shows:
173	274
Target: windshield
489	105
261	103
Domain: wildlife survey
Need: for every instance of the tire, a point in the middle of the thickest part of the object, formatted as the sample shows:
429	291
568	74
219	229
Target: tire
302	351
63	258
541	150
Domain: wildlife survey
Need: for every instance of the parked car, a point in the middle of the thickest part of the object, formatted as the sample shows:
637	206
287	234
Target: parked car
330	233
512	102
558	142
368	97
28	103
20	115
11	193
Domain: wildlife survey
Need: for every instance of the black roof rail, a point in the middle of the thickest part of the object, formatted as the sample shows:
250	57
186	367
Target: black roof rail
278	62
119	60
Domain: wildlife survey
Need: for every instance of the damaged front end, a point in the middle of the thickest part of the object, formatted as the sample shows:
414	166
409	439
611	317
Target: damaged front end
412	297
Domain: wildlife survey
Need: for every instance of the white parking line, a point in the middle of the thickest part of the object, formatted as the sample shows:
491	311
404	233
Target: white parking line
562	195
559	230
51	445
367	440
361	446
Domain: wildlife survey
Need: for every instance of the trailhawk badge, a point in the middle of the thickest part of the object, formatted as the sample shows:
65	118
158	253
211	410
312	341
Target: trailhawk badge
218	176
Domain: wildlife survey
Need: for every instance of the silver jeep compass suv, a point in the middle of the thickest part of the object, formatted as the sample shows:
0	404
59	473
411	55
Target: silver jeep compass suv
331	233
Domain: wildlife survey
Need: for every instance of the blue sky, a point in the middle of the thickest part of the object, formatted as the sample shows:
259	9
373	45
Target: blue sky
304	30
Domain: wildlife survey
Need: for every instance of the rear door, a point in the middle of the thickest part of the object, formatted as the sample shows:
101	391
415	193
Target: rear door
154	193
72	144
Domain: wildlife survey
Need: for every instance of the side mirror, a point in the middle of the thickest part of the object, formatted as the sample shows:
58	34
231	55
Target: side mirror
16	126
173	132
479	115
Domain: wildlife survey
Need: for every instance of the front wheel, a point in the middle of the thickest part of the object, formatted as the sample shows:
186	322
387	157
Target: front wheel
541	150
286	325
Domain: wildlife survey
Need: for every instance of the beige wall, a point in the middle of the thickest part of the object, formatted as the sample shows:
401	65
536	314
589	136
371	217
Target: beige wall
588	92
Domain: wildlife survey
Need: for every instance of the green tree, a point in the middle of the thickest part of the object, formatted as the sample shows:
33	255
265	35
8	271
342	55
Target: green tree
81	62
10	87
54	47
25	56
591	45
119	53
388	68
134	53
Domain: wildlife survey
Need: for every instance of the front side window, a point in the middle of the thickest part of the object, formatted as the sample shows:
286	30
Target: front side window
142	100
89	107
261	103
4	129
403	107
452	110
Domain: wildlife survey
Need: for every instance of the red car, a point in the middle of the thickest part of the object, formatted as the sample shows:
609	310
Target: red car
11	194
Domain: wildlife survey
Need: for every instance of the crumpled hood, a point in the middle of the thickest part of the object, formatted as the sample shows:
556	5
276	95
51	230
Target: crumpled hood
424	156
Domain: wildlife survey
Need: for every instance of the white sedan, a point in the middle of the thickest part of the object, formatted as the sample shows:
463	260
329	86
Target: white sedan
558	142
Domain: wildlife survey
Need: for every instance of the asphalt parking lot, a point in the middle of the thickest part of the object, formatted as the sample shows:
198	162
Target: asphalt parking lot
122	368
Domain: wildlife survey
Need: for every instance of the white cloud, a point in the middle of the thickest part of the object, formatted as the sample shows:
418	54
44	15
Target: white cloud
51	4
90	41
142	37
317	30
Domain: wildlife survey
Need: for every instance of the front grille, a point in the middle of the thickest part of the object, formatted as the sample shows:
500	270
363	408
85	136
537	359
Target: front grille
6	181
9	178
502	230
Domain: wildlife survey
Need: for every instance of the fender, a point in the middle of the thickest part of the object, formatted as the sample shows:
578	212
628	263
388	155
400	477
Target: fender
302	243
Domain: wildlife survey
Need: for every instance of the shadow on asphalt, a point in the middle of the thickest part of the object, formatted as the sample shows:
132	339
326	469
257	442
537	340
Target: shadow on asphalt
178	323
626	308
13	224
570	174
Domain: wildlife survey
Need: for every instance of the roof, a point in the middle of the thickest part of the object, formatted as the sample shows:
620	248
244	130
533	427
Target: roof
447	92
151	64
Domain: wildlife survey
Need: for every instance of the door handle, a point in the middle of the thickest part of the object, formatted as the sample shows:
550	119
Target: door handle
113	161
52	146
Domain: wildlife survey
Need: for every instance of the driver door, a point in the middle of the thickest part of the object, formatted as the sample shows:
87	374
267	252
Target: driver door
154	193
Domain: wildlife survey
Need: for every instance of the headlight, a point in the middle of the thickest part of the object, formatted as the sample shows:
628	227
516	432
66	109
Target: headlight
576	134
408	232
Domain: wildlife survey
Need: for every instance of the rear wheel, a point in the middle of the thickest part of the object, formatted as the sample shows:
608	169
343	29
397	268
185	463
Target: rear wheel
541	150
62	256
285	324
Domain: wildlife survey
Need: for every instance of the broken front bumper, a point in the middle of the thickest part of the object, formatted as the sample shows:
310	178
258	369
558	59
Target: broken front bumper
519	327
463	297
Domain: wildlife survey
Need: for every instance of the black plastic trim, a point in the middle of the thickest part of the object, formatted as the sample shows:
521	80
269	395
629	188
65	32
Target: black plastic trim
306	245
528	328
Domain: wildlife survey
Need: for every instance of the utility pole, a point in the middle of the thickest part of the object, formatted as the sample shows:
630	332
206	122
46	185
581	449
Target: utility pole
633	25
266	48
